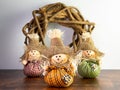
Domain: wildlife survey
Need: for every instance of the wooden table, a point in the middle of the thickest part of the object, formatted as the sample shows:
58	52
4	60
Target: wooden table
16	80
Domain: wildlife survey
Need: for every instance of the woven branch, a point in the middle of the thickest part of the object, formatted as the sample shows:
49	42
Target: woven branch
58	13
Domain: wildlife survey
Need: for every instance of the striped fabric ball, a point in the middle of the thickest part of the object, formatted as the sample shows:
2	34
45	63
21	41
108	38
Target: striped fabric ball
89	69
58	78
33	69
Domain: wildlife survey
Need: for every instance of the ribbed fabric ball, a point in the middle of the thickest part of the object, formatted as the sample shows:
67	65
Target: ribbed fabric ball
89	69
58	78
33	69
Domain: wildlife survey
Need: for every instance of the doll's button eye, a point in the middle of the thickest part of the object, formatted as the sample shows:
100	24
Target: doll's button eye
56	56
59	56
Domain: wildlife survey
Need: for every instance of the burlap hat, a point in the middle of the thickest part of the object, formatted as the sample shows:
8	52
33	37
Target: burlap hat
56	44
33	45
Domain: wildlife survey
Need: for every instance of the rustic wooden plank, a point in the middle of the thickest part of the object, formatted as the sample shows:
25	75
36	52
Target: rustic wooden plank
16	80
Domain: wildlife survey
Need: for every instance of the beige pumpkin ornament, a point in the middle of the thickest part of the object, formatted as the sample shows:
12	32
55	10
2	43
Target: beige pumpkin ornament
60	72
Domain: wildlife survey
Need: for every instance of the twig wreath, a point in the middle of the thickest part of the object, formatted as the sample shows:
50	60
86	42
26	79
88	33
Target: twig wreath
58	13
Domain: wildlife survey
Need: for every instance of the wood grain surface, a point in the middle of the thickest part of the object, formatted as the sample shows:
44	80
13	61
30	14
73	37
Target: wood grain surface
16	80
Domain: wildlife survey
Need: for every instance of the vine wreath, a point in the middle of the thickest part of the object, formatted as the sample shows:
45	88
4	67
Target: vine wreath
58	13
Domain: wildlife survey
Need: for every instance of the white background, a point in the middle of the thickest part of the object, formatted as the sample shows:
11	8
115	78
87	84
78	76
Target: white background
14	14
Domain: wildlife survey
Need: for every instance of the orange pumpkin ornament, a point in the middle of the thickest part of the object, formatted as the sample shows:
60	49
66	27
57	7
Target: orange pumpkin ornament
60	72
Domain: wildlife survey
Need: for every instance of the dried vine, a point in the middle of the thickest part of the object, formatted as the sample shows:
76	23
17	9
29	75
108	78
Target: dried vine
58	13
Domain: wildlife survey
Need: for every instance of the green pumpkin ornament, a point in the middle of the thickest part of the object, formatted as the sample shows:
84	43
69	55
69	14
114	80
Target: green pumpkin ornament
89	68
89	56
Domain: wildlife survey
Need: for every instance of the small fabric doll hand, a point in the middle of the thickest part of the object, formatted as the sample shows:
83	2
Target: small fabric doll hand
24	62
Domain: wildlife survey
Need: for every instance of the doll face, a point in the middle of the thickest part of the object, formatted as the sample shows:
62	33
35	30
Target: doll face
88	54
59	59
33	55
